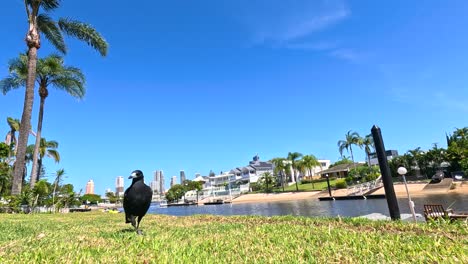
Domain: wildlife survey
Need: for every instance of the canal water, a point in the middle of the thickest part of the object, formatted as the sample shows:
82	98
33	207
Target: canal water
314	207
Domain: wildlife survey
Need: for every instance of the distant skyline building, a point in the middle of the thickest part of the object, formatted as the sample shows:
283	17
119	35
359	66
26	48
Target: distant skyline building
90	187
157	185
182	176
119	186
173	180
197	175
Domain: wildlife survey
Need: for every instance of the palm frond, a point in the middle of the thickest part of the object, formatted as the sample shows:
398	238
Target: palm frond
85	33
19	66
54	154
51	144
49	5
72	86
11	82
13	123
49	28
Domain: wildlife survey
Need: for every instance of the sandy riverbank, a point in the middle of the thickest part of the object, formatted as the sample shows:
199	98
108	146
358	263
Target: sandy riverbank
274	197
415	189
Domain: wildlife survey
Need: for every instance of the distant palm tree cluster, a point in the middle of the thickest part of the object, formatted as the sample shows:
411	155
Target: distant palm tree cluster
291	167
453	159
27	70
353	138
417	161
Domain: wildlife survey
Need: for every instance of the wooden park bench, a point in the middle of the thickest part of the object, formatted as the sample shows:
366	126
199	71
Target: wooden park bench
437	211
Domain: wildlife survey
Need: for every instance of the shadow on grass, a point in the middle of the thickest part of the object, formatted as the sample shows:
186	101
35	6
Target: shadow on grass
128	230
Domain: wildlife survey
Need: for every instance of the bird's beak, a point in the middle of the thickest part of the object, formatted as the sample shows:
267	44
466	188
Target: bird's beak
133	176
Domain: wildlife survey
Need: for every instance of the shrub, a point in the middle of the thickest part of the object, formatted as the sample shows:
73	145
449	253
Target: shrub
341	184
306	181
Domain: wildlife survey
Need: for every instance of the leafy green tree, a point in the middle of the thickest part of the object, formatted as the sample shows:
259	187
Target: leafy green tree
192	185
175	193
40	23
5	169
343	160
112	197
91	198
363	173
279	169
267	182
416	158
50	72
67	196
41	192
457	151
351	138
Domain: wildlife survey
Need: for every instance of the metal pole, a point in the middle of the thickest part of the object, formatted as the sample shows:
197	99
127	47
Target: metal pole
328	184
411	204
386	174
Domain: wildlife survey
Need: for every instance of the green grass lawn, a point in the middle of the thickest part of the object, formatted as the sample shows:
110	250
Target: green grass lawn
98	237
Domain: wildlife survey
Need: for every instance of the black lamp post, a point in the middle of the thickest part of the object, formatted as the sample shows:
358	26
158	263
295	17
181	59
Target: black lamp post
328	184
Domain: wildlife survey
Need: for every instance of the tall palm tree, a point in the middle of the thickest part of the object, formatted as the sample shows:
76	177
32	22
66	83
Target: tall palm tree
50	71
58	177
46	149
309	162
280	168
268	179
293	157
351	138
39	22
367	143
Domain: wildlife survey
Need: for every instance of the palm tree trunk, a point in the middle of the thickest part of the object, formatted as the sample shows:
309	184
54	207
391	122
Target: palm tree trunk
34	170
53	194
293	178
283	175
297	187
352	156
39	168
25	118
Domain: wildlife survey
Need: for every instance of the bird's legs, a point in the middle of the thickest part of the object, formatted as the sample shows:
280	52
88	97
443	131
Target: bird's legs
138	225
134	224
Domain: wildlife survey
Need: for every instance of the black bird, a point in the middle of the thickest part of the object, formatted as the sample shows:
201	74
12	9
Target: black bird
137	200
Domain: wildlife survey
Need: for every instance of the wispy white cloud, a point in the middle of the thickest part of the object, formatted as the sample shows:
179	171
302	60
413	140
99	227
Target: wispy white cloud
296	25
347	54
442	99
299	29
279	23
439	100
330	48
318	46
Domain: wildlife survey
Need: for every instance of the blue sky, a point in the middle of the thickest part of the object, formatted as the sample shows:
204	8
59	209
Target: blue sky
205	85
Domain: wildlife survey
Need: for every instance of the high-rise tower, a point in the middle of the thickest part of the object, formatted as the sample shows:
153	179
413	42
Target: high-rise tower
119	186
157	185
173	180
182	177
90	187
